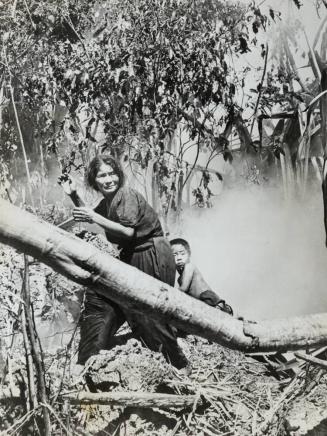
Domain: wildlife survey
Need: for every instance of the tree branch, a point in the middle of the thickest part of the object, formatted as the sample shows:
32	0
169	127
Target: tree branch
313	360
133	399
260	90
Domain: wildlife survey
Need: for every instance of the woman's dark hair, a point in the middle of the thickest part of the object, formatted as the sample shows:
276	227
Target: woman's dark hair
183	242
95	165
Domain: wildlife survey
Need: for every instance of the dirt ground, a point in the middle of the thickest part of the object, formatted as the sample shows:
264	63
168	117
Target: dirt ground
235	394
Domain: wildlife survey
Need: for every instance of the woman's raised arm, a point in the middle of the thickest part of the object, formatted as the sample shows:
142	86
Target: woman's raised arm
69	186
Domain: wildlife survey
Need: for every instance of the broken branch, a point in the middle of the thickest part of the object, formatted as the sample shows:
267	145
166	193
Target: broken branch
310	359
133	399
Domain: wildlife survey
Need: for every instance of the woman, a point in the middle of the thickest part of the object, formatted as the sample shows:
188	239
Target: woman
130	222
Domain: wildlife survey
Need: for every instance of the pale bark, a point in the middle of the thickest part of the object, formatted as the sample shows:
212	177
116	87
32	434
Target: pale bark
139	292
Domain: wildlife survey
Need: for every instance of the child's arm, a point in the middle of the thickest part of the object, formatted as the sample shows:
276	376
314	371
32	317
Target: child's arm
212	299
186	278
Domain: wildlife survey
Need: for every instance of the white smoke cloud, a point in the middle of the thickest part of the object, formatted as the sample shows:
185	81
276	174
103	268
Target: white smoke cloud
264	255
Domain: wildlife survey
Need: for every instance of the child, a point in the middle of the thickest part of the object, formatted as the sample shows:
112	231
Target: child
190	279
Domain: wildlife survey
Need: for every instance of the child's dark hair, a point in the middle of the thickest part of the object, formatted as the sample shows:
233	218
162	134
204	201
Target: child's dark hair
95	165
181	241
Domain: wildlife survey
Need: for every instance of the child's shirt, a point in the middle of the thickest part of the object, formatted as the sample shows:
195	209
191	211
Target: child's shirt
192	282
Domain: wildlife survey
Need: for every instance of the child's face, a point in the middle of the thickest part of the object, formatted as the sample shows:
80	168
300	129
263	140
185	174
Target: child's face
181	255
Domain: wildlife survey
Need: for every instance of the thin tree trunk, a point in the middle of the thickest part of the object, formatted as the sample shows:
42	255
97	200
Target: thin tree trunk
180	186
136	291
289	171
188	192
32	399
260	89
29	184
323	113
36	354
42	188
284	176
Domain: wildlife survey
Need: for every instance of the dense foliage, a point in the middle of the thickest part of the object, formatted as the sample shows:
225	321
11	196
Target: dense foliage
125	77
126	68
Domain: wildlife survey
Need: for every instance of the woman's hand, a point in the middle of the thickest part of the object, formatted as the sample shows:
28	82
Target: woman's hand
68	183
84	214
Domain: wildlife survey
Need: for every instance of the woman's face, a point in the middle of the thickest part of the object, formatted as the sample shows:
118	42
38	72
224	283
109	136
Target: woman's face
107	180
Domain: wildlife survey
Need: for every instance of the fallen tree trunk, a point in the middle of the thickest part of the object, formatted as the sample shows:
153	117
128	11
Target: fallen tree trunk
136	291
133	399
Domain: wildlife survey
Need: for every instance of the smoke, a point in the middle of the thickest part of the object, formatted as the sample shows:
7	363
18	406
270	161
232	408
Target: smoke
265	256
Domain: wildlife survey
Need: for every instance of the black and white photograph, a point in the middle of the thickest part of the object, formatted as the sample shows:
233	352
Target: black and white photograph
163	217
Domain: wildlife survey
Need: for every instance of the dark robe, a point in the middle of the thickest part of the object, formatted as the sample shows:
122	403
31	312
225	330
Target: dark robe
148	251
